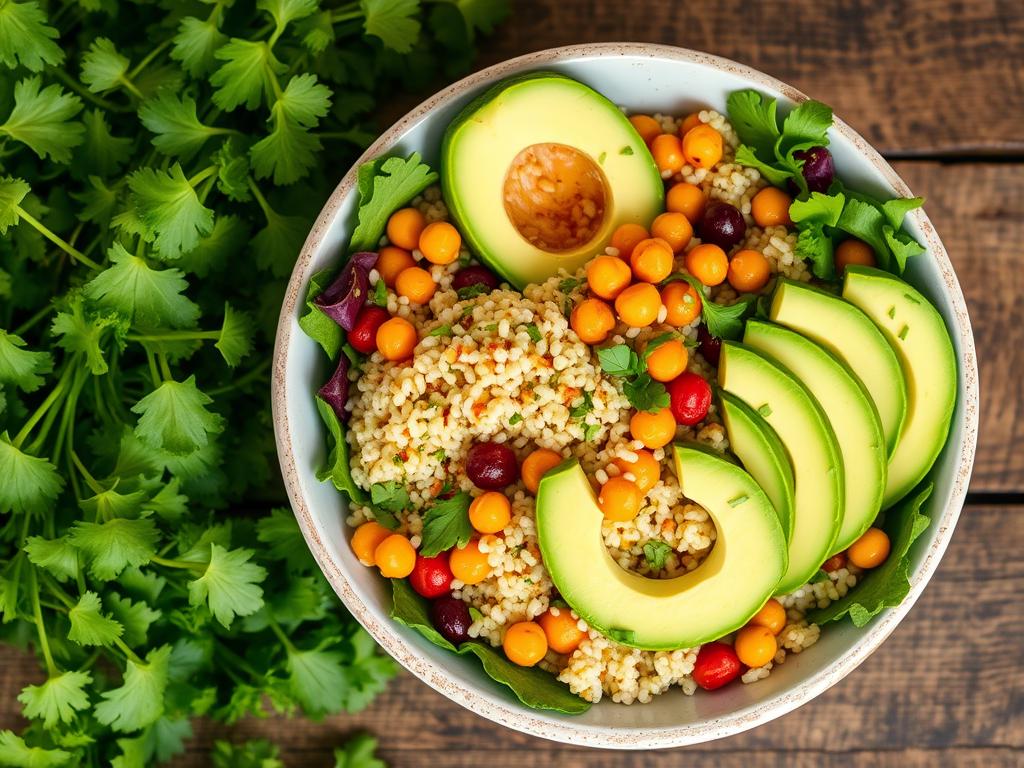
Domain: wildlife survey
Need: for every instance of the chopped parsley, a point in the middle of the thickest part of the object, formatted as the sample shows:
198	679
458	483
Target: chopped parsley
446	525
643	392
472	291
514	419
380	294
655	552
602	157
569	284
534	332
583	408
441	330
765	410
627	150
625	636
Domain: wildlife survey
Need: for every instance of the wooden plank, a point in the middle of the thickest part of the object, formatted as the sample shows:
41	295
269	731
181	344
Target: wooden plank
978	210
918	76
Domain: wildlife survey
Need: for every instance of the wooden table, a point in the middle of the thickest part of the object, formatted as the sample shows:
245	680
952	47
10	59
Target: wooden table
938	88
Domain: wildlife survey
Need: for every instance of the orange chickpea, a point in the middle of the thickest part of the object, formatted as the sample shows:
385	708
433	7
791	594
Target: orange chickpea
391	261
490	512
592	320
625	238
749	271
853	251
607	276
708	263
648	128
536	465
395	556
687	199
755	645
770	207
668	154
416	284
674	228
646	470
619	499
404	228
469	565
561	630
870	550
638	305
525	643
702	146
682	302
692	120
667	361
652	260
772	616
396	339
366	539
654	430
440	243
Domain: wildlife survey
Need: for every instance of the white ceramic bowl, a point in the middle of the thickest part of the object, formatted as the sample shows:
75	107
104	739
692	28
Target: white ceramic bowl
648	78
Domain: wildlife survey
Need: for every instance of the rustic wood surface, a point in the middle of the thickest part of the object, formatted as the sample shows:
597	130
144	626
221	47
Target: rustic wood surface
937	86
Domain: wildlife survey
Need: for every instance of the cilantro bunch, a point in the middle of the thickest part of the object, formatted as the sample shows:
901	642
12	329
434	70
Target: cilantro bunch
161	162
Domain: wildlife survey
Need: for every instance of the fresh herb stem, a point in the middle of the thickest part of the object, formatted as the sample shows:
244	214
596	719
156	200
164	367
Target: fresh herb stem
241	381
148	58
181	564
55	395
202	175
37	615
173	336
165	369
128	652
84	92
69	249
276	629
86	475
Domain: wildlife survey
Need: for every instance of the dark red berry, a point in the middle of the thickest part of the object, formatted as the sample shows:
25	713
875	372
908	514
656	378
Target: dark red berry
492	466
690	397
474	275
451	618
818	169
431	576
710	346
722	225
363	336
717	664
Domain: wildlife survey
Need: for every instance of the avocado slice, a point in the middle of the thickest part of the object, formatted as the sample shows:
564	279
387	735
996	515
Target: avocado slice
717	597
851	413
804	429
846	332
592	163
759	449
916	331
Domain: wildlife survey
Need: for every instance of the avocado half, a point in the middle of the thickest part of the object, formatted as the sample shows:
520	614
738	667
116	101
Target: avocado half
538	172
717	597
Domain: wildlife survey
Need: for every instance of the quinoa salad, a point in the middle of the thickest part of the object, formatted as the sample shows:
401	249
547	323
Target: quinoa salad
594	352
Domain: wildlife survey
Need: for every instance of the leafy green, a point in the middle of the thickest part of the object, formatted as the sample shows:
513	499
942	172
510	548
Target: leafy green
446	525
723	321
336	468
41	119
26	38
57	699
21	367
655	553
358	752
396	182
174	418
643	392
888	584
533	687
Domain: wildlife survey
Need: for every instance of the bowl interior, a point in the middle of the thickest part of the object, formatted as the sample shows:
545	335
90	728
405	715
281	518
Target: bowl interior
651	79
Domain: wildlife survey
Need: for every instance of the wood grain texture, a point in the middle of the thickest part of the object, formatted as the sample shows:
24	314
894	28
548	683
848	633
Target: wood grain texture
946	689
914	77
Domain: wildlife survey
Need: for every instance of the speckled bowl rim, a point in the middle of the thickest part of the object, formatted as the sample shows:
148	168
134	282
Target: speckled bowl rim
510	713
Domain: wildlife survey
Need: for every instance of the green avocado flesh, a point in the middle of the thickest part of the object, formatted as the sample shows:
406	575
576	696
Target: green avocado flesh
850	412
762	453
516	224
717	597
916	331
791	410
845	331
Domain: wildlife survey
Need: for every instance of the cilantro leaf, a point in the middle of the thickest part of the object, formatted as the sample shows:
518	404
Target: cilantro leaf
255	753
145	296
753	116
174	418
318	679
446	525
12	192
290	150
282	538
80	331
170	209
655	552
358	752
26	38
390	497
247	76
88	624
235	339
392	21
865	221
726	322
139	701
278	244
646	394
818	208
230	584
41	119
134	617
888	584
58	699
21	367
196	44
102	153
776	176
31	484
172	117
17	753
902	246
619	360
56	556
111	503
814	246
895	210
103	68
805	127
397	182
115	544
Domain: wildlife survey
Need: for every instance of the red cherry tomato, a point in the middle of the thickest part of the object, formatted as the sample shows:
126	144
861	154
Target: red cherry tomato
690	396
363	337
717	665
431	576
